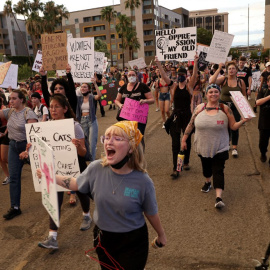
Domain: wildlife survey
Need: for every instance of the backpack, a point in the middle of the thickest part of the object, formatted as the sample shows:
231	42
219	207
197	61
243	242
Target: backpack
41	110
25	113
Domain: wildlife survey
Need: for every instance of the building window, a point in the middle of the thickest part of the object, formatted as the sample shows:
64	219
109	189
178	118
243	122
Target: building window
100	37
177	20
112	36
77	30
114	57
87	19
133	23
87	29
66	22
113	46
29	37
147	11
119	35
120	46
166	26
30	47
148	32
97	18
148	21
199	22
166	17
149	43
135	55
149	53
1	46
133	12
190	22
76	20
99	28
120	56
147	2
68	31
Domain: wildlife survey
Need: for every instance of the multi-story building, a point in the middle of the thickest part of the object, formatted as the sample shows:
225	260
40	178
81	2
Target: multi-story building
209	19
10	37
267	25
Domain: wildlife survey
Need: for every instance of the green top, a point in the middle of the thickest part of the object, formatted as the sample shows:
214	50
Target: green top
225	91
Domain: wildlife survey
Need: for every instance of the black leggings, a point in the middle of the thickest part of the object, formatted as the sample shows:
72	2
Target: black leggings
264	140
129	249
215	166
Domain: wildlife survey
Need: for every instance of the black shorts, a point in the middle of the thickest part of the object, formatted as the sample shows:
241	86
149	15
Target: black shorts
4	139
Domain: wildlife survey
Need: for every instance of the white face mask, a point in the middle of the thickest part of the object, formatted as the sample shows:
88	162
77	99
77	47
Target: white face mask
132	79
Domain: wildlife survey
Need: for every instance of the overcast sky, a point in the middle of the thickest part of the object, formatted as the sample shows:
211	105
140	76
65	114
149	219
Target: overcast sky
238	14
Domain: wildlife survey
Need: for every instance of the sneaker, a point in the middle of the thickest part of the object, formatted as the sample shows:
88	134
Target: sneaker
235	153
263	158
12	212
6	181
219	203
175	175
186	167
206	187
163	126
49	242
86	223
157	109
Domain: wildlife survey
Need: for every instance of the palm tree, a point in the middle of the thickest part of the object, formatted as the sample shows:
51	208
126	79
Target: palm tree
101	46
121	28
132	42
132	4
9	11
108	13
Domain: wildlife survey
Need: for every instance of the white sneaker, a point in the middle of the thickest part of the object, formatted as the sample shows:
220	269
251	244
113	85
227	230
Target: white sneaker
6	181
234	153
157	109
163	126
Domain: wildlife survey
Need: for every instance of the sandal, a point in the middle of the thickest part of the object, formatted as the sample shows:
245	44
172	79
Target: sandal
72	199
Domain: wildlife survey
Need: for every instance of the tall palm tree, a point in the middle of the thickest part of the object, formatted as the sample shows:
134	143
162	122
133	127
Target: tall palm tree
108	13
132	42
132	4
101	46
121	29
8	11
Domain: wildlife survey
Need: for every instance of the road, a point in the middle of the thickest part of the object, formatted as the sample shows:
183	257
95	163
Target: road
199	236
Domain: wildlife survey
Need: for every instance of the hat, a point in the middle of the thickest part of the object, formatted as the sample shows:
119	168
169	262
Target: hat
36	95
213	85
267	64
182	70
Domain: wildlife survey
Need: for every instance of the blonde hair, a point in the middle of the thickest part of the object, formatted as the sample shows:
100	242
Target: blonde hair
136	161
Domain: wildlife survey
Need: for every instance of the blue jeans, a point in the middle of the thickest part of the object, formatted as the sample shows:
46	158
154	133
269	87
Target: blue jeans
15	170
91	132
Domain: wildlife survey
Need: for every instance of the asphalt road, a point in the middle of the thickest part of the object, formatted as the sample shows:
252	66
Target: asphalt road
199	236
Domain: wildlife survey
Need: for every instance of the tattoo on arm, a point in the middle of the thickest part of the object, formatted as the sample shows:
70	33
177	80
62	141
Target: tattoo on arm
66	182
187	133
230	111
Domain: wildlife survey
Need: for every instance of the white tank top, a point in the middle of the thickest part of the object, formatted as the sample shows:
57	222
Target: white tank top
85	107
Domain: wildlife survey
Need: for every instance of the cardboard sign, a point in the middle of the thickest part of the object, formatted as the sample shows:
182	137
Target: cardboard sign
99	62
219	48
48	181
202	48
109	92
176	44
58	135
242	104
61	73
4	70
256	80
54	51
202	63
38	61
134	111
11	78
140	63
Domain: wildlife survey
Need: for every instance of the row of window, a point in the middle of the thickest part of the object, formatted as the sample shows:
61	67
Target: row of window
94	28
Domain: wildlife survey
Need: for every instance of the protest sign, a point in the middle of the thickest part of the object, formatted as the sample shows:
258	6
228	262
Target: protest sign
202	48
48	181
202	63
242	104
58	135
256	80
99	62
11	78
38	61
54	51
4	70
134	111
229	58
109	92
219	47
140	63
81	58
176	44
61	73
105	63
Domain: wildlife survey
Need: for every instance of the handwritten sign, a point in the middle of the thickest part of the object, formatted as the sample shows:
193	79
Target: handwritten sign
202	63
105	63
202	48
48	181
176	44
11	78
256	80
54	51
134	111
99	62
219	47
38	61
81	58
140	63
242	104
109	92
58	135
4	70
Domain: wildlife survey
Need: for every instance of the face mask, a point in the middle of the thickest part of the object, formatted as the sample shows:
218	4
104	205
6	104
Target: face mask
121	163
85	94
181	78
132	79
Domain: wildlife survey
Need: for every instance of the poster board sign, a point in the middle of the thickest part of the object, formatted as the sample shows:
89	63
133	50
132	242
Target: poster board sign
99	62
140	63
202	48
81	58
242	104
61	73
4	70
48	181
105	64
54	51
11	78
229	58
38	61
58	135
134	111
109	92
256	80
176	44
202	63
219	47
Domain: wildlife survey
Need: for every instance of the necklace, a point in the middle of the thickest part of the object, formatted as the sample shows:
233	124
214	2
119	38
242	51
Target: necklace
115	188
212	108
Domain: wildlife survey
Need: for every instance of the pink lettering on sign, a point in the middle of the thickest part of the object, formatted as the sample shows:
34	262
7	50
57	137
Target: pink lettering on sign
134	111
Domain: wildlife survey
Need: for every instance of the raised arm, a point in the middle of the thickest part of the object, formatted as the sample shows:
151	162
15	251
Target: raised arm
94	81
162	72
44	86
71	92
193	78
215	79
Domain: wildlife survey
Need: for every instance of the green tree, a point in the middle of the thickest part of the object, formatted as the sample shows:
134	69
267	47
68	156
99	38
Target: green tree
204	36
108	13
235	53
131	42
132	4
8	11
101	46
121	28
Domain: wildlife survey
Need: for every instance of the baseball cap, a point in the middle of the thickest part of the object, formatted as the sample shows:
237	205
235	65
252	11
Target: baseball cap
267	64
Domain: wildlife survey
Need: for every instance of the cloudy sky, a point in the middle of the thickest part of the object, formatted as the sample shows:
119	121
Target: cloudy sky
238	14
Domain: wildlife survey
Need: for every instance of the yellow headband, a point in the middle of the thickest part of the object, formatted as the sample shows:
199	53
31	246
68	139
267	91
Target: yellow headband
131	129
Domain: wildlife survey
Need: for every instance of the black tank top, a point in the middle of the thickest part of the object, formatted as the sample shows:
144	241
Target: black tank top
181	99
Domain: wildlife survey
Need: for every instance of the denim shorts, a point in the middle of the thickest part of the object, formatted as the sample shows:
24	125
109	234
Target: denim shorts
164	96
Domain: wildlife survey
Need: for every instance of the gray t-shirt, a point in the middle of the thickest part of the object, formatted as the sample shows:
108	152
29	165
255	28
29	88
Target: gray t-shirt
16	123
122	211
79	134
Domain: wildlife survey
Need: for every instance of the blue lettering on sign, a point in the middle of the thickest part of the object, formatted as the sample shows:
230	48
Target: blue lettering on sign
131	192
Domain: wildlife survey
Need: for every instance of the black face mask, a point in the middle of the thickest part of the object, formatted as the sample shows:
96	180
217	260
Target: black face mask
85	94
121	163
181	78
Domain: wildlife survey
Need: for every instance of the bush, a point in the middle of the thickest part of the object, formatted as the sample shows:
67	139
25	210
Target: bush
24	72
20	60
